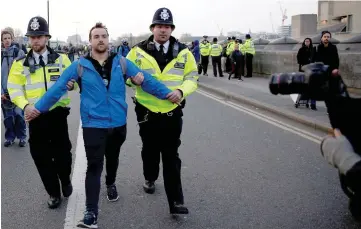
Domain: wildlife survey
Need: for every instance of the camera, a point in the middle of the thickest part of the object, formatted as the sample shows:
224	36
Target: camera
317	82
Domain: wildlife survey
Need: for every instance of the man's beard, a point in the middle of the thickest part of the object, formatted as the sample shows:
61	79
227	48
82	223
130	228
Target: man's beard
100	50
38	48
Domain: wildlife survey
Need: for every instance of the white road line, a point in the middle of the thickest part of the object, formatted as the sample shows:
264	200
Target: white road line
76	202
305	134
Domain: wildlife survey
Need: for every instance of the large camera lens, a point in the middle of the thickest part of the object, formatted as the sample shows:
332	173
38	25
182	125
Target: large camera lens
288	83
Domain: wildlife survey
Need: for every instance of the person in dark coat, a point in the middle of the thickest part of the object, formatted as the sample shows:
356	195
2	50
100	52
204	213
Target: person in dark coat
236	58
305	56
327	52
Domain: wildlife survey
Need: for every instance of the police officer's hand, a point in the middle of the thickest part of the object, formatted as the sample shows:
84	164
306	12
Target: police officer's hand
31	113
70	85
138	79
175	96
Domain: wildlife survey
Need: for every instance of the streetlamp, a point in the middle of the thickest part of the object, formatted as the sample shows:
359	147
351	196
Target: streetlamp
48	20
76	31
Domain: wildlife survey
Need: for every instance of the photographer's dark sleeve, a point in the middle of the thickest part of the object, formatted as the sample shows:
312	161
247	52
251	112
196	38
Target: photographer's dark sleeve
353	178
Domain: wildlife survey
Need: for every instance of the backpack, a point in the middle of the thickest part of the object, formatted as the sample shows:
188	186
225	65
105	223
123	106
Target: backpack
122	61
15	53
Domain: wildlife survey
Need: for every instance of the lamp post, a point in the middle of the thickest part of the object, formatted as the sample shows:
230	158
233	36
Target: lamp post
48	20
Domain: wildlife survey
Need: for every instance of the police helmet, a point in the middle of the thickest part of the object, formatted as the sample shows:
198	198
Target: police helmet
233	38
38	26
215	39
248	36
228	38
163	16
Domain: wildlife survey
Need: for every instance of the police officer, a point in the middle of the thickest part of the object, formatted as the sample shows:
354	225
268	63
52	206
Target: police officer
29	78
216	52
249	51
205	48
160	121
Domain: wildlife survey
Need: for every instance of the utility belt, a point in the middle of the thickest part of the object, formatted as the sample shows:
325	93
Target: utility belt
144	114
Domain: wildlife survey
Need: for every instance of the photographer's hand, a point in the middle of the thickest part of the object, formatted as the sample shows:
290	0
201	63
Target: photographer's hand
338	152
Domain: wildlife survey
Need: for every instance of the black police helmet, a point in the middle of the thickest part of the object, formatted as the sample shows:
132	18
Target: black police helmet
233	38
38	26
163	16
215	39
228	38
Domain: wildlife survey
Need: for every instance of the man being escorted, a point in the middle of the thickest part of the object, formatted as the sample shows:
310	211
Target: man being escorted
160	122
103	110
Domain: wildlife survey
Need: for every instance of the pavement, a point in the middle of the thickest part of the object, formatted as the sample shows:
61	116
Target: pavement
237	172
255	92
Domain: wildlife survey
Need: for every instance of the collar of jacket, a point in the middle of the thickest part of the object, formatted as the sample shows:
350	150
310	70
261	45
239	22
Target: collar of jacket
172	40
83	61
52	56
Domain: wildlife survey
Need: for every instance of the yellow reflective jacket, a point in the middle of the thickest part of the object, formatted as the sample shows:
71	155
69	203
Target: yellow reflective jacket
26	82
180	73
248	47
216	50
205	48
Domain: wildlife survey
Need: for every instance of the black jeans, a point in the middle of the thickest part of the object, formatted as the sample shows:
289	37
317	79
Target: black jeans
204	61
50	148
161	135
216	61
100	142
249	60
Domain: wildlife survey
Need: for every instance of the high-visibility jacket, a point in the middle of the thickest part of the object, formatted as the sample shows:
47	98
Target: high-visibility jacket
230	47
216	50
28	81
180	73
248	47
205	48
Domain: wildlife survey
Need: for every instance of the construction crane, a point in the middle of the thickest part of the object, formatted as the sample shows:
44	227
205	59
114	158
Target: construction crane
283	12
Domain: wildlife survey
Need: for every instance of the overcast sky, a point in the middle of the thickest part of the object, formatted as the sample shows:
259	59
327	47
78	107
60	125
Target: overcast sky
198	17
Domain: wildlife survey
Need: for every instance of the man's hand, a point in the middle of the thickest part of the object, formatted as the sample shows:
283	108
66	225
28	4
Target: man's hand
31	113
3	97
138	79
335	72
175	96
70	85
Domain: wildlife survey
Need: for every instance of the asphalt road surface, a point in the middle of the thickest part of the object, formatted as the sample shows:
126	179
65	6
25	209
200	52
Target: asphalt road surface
238	172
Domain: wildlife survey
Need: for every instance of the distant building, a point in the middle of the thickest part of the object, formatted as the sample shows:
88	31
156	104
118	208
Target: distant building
340	16
284	30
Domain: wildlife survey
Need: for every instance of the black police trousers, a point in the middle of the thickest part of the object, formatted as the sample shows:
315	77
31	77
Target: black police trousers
160	135
204	61
249	64
216	62
50	148
100	142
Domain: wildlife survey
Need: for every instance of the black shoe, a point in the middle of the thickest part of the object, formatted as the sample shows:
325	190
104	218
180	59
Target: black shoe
67	190
8	143
178	209
240	79
90	220
221	76
54	202
355	208
215	76
22	143
149	187
112	194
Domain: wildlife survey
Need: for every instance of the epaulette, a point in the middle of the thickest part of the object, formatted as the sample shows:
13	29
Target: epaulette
20	57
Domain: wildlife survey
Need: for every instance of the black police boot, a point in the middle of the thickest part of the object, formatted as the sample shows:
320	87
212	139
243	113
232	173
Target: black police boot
149	187
54	202
178	209
67	189
355	208
313	107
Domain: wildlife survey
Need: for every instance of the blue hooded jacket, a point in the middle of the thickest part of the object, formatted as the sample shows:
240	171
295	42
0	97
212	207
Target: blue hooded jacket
196	51
101	107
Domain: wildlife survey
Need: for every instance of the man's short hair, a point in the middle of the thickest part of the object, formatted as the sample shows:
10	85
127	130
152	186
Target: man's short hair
4	32
324	32
98	25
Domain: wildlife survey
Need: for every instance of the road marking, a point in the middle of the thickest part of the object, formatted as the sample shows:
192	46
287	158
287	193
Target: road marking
76	202
305	134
